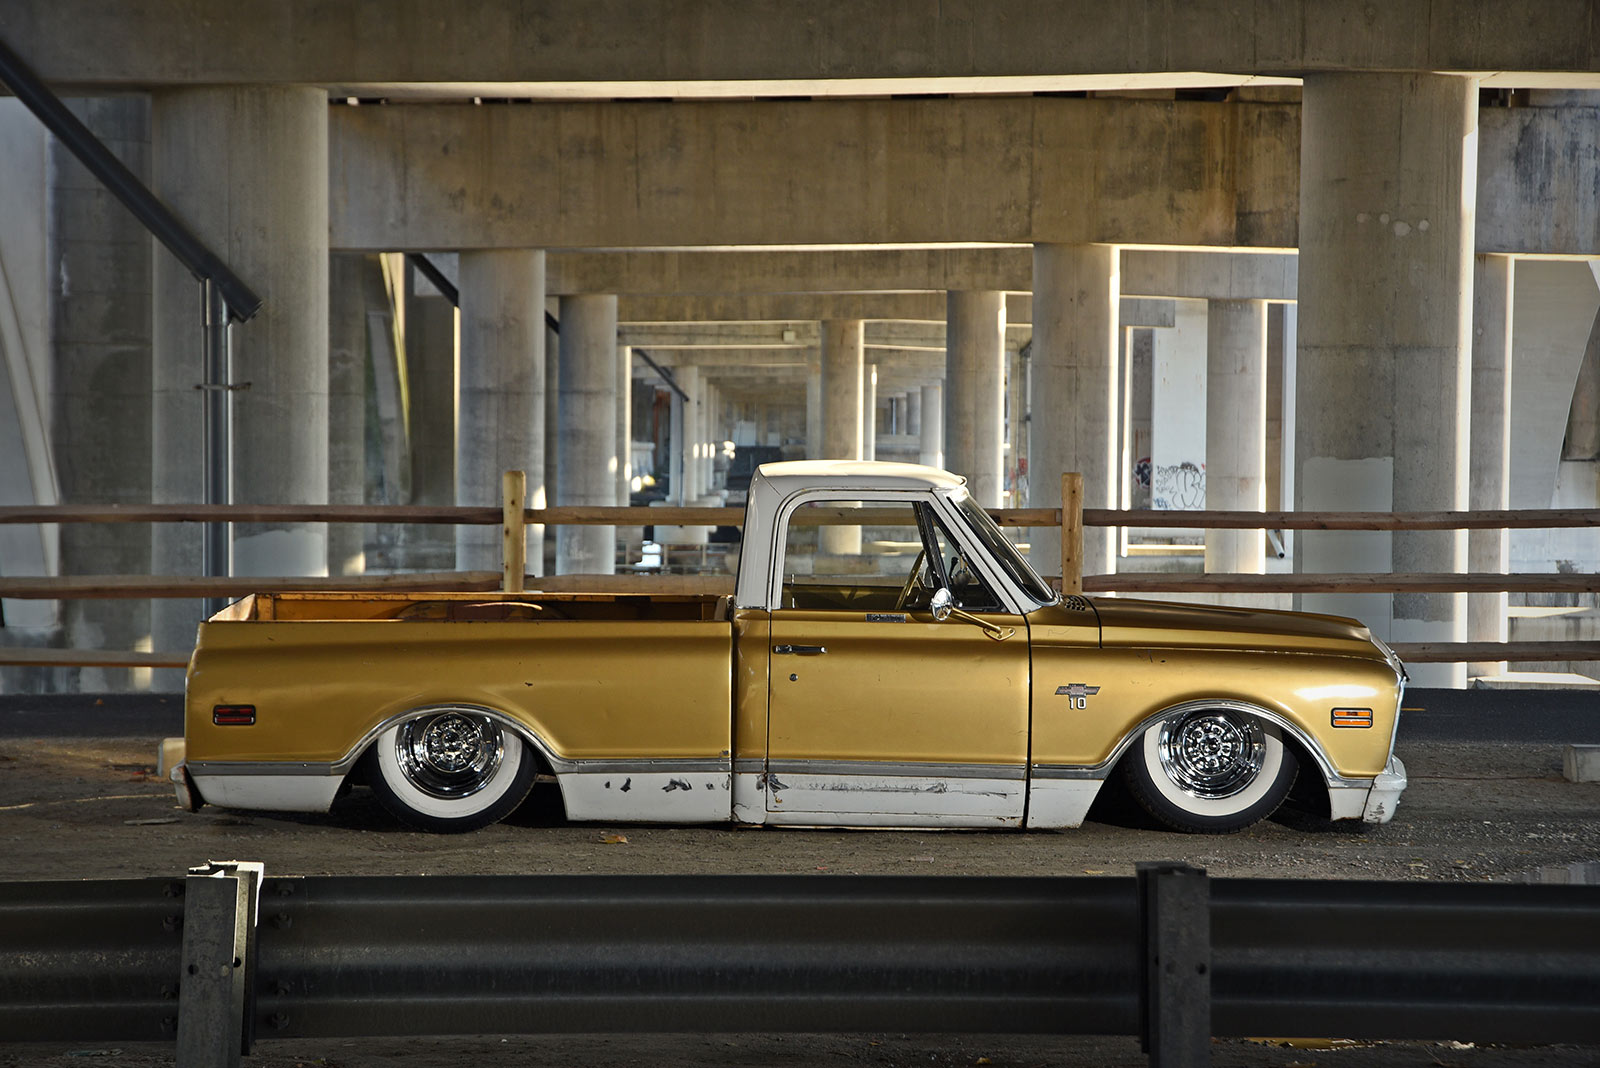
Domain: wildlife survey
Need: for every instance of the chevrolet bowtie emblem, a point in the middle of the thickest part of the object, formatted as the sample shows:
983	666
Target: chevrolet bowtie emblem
1077	689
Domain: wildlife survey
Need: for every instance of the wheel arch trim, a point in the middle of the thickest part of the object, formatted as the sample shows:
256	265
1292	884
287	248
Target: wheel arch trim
1103	769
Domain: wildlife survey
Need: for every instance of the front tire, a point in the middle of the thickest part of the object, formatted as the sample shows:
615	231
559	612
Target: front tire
1210	770
450	770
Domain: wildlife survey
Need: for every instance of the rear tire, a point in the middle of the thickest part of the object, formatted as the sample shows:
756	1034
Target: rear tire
1210	770
450	770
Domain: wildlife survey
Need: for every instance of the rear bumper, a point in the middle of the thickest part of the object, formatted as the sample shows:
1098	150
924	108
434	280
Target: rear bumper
170	766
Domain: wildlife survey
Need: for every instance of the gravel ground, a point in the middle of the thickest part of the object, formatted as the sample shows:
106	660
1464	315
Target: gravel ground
86	807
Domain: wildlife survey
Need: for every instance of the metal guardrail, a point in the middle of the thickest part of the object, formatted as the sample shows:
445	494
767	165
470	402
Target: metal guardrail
1172	956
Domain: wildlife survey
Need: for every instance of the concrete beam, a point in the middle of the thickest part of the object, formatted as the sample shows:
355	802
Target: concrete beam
613	48
781	307
1195	275
660	272
629	175
1013	170
1200	275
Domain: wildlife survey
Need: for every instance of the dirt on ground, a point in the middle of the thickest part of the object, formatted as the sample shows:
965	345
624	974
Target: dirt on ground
91	808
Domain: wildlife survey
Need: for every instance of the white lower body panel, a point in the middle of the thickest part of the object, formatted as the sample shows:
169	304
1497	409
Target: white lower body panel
270	793
1061	803
876	800
648	796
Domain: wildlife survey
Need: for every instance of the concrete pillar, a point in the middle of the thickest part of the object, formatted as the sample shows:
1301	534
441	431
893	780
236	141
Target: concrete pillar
247	169
500	406
1236	429
1387	197
624	423
841	389
347	405
974	396
841	415
814	412
587	466
869	412
1074	413
100	257
1489	484
1177	418
914	412
932	431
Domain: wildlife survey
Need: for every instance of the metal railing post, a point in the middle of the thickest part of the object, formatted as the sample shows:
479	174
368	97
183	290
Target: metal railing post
1175	998
214	388
215	986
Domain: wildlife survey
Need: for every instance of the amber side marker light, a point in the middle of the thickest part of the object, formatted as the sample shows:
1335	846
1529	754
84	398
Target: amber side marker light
1352	717
234	715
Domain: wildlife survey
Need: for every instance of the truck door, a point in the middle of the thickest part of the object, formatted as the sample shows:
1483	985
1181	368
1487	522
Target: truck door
879	714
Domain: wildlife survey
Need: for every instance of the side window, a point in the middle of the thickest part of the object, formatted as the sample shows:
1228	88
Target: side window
849	553
966	585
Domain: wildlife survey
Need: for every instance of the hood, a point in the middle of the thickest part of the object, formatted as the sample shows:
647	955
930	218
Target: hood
1160	624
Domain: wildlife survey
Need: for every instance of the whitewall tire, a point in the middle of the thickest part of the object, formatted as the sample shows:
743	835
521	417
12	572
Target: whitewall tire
450	770
1210	770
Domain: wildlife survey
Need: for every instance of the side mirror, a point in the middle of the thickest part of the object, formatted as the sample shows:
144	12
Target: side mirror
943	601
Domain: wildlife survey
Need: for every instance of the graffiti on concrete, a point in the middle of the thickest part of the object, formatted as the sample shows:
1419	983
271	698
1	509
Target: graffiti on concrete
1178	486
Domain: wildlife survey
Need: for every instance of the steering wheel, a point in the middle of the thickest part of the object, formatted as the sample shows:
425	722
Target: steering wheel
911	581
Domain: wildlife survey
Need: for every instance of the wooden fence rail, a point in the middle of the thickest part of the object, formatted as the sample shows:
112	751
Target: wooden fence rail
1072	518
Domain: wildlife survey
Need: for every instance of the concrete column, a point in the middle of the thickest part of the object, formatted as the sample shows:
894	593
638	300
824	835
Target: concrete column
587	466
869	411
932	431
814	412
99	257
1236	429
624	424
500	406
247	169
347	405
1387	197
1074	423
841	389
914	412
974	397
841	415
1489	483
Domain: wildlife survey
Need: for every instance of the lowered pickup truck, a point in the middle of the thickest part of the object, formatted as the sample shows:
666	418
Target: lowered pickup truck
888	658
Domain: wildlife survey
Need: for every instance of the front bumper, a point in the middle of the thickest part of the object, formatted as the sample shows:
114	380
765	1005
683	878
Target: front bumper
1384	797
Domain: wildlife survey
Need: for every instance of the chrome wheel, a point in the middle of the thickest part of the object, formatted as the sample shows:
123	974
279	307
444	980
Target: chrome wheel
1211	754
451	755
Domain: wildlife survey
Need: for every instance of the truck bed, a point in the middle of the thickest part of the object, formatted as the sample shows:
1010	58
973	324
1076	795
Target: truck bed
473	607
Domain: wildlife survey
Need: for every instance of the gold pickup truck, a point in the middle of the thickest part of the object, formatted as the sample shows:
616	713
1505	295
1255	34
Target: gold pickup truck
887	659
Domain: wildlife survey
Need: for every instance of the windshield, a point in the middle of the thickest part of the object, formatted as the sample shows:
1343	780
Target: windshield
1004	553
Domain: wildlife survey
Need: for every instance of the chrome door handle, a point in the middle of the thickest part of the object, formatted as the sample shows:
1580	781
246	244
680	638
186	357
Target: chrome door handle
800	650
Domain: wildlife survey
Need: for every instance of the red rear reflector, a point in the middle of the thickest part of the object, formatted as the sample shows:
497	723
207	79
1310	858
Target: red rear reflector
234	715
1352	717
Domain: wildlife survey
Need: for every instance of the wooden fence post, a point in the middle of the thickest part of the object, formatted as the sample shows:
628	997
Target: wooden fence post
1071	533
514	556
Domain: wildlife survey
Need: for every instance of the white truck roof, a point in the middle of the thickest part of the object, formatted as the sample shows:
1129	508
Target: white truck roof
772	484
